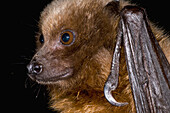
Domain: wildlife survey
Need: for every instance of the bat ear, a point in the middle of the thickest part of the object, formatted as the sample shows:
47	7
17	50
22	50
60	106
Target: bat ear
112	8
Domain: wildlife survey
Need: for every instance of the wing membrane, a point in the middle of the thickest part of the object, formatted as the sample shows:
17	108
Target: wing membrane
148	68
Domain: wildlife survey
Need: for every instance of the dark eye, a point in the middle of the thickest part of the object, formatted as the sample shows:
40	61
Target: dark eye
41	39
67	37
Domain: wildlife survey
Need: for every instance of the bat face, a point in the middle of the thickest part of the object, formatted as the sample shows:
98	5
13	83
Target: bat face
70	35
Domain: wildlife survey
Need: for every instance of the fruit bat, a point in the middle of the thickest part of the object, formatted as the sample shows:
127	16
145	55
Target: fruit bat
80	47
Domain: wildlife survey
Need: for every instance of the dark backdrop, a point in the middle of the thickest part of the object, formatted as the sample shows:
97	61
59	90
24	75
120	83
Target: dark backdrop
21	19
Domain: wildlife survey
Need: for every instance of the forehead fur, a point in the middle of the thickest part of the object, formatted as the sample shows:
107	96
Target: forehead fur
69	13
60	6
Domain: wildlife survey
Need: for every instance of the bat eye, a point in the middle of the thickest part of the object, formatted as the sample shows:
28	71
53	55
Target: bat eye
41	39
67	37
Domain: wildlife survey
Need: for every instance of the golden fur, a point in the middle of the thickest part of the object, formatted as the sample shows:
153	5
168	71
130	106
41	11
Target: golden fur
83	93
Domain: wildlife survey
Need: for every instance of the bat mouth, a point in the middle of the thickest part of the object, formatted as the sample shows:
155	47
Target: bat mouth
52	80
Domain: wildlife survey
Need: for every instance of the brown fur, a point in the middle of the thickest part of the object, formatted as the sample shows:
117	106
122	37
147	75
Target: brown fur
90	55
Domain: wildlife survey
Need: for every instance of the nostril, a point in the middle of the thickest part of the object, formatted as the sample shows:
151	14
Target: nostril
34	68
37	68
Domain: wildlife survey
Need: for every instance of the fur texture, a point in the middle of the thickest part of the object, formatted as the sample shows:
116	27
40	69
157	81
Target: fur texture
90	55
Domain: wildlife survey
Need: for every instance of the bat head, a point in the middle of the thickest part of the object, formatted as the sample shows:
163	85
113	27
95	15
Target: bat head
74	44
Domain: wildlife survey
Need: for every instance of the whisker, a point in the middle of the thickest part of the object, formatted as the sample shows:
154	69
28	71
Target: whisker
30	25
29	83
27	59
22	63
37	22
34	84
38	92
38	89
26	81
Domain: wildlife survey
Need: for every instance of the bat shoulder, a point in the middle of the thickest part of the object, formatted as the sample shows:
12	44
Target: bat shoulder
81	101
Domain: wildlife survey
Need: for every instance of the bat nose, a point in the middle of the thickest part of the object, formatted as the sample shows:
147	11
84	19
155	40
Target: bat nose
34	68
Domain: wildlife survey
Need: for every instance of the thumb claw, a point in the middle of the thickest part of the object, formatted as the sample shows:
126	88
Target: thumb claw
109	97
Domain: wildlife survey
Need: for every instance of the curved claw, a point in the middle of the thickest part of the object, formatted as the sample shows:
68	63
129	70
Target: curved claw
109	97
112	80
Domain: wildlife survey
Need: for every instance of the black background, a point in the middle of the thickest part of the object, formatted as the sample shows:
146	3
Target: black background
20	20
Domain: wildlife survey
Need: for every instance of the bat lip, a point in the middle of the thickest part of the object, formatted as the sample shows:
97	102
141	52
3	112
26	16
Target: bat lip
52	80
